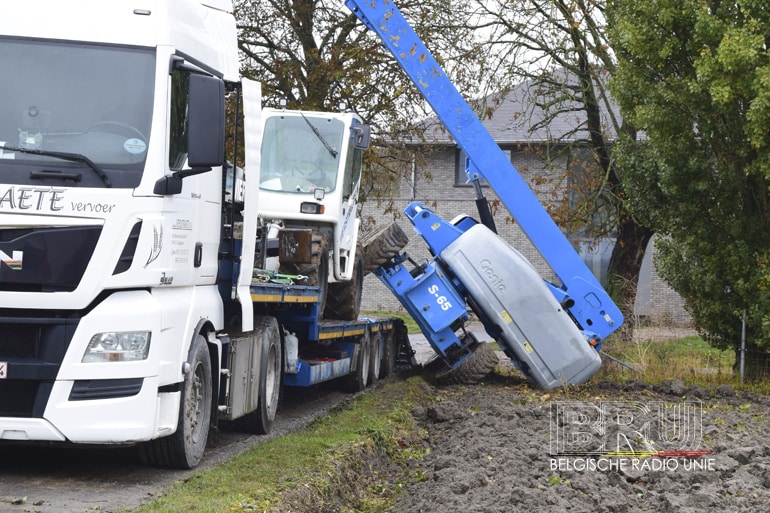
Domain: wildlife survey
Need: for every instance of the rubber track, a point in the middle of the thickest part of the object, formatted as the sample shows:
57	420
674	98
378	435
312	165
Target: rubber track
472	370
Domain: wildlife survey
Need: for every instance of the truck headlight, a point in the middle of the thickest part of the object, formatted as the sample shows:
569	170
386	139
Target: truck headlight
118	346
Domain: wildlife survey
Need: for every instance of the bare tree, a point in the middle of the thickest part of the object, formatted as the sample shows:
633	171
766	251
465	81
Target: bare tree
317	56
560	48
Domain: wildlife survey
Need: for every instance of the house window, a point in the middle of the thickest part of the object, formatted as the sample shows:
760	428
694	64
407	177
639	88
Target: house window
461	177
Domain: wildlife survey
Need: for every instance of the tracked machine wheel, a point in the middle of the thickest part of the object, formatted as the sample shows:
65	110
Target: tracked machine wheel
343	301
382	246
473	369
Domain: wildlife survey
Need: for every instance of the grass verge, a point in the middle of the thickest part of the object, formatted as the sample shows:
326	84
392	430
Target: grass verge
355	459
690	359
409	322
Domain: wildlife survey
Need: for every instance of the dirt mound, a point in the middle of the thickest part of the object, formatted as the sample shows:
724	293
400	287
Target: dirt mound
495	447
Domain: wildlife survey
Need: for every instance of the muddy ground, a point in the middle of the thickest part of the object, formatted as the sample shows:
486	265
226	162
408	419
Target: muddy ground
502	446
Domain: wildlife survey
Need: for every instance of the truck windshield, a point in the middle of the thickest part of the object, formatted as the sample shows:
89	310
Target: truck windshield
92	101
297	158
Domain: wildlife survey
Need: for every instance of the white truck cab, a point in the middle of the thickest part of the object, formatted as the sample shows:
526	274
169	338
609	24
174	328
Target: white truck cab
129	311
111	121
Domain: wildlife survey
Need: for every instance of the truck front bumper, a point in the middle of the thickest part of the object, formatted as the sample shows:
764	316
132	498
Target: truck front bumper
142	416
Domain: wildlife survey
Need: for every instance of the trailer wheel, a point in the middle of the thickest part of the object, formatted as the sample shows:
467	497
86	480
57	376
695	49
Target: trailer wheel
375	358
473	369
359	378
317	271
260	421
184	449
343	301
382	246
389	351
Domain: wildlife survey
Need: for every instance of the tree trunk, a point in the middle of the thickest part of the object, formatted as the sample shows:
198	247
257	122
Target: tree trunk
756	363
624	268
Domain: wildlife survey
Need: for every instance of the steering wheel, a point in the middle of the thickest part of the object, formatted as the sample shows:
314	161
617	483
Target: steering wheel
123	128
314	173
297	184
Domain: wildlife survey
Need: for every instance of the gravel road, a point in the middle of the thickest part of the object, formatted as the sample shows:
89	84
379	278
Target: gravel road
83	480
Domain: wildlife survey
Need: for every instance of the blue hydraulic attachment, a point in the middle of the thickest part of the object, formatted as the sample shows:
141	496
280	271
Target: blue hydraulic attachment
551	331
579	291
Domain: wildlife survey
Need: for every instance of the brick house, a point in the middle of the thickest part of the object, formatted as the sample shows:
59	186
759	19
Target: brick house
544	158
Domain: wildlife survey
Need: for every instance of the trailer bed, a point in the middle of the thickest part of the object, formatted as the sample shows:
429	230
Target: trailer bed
327	348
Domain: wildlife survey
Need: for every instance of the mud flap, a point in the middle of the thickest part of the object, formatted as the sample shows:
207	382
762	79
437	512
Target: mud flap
404	354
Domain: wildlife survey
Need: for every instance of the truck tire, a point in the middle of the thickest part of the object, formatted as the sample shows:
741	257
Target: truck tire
184	449
343	301
260	421
382	246
317	271
359	378
473	369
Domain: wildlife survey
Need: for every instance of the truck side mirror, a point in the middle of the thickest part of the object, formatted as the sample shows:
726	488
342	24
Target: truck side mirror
206	122
362	135
168	185
203	114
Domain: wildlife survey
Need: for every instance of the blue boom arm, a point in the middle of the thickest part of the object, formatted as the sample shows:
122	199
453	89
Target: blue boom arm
579	291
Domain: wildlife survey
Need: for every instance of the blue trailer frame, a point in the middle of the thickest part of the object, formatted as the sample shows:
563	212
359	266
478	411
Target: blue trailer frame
327	348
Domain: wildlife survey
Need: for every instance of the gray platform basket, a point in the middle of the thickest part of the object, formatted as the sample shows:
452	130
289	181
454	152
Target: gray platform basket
534	329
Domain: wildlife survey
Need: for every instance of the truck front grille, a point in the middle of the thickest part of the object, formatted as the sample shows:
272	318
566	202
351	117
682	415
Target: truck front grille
18	398
32	349
45	259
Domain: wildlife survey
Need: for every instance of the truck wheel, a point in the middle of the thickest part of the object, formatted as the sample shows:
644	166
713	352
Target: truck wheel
343	301
382	246
317	271
184	449
473	369
270	368
359	378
